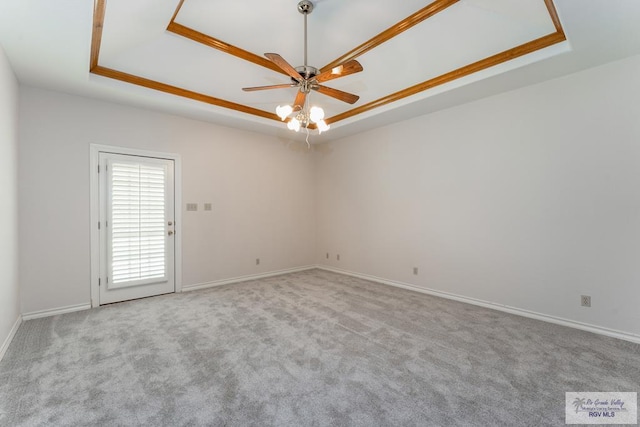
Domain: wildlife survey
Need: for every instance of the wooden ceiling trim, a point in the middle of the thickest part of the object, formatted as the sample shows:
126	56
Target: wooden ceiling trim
553	13
196	96
391	32
224	47
488	62
175	14
99	7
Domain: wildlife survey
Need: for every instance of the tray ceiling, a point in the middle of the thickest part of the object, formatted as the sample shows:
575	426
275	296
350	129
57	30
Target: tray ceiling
193	57
207	50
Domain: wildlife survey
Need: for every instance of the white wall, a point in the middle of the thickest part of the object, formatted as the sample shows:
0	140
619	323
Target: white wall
9	295
261	191
528	199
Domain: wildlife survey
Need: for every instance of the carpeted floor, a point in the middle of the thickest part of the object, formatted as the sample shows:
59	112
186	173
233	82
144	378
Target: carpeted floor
306	349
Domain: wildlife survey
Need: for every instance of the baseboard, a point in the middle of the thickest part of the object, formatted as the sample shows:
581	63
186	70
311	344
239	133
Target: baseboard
12	333
245	278
55	311
494	306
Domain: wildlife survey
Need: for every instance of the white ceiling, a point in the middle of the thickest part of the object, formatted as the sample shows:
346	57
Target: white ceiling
48	44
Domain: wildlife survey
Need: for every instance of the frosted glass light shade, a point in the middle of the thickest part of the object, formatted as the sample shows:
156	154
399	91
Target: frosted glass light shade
283	111
294	124
322	126
316	114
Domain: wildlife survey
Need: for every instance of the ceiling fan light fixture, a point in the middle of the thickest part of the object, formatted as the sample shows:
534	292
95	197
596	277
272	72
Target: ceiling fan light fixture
316	114
283	111
307	79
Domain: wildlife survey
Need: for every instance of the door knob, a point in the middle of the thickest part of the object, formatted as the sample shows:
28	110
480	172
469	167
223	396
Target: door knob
170	232
170	223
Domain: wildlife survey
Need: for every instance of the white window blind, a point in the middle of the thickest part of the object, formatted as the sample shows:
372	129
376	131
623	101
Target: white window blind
137	226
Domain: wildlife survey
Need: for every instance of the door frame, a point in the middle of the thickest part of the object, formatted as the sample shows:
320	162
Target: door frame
94	190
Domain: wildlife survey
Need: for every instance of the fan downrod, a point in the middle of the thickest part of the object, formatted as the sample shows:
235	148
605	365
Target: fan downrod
305	7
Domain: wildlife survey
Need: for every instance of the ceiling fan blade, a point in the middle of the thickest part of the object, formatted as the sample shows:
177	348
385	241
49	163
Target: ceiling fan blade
284	65
298	104
349	67
283	86
337	94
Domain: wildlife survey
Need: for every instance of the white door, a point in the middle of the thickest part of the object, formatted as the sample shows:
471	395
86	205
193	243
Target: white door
137	249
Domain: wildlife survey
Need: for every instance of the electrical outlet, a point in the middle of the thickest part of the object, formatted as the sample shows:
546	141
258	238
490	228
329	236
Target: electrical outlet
338	257
585	300
257	261
415	270
207	206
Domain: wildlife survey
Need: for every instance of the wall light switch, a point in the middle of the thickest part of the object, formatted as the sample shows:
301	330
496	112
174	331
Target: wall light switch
207	206
191	207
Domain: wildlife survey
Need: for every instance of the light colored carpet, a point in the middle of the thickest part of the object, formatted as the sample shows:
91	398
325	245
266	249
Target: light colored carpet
312	348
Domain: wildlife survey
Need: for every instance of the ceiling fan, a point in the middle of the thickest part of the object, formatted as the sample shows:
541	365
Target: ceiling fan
308	78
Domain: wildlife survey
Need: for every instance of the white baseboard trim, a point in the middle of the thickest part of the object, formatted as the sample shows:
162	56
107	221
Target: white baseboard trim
239	279
495	306
12	333
55	311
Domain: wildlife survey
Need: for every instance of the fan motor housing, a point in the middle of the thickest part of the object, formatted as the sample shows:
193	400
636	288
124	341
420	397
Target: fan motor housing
306	72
